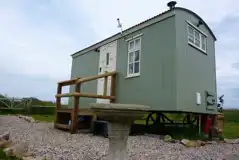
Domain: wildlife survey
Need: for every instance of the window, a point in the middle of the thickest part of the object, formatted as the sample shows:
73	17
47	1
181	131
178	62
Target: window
134	49
196	38
107	58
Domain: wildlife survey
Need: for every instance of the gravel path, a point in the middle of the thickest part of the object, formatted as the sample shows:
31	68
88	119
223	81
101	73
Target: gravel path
54	144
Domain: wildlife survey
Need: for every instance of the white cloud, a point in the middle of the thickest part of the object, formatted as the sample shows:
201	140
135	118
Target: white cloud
36	50
35	47
103	14
37	37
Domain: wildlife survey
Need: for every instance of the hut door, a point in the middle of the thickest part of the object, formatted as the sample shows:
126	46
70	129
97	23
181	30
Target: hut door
107	63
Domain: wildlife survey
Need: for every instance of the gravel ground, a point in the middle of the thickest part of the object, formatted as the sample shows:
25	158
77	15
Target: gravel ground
54	144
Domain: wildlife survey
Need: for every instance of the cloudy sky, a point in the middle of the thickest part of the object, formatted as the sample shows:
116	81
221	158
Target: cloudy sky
37	38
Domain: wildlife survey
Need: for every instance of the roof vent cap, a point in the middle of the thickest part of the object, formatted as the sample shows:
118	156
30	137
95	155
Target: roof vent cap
171	4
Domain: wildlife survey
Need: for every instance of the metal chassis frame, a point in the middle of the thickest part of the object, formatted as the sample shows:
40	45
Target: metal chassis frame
162	119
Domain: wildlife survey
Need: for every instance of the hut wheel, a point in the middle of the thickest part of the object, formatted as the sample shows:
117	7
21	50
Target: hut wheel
153	116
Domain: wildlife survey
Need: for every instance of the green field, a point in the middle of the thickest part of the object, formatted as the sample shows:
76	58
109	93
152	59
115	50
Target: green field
43	118
231	121
231	125
4	157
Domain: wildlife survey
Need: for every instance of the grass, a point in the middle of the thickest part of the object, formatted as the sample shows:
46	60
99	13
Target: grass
231	123
40	117
231	130
43	118
4	157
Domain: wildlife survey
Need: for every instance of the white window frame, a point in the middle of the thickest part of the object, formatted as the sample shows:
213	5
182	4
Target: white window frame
201	34
128	54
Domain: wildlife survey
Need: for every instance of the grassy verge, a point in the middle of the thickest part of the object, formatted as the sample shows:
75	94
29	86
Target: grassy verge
231	130
43	118
4	157
40	117
231	126
231	123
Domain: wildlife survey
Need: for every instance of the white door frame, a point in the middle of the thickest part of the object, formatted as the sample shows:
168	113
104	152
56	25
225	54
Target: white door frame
107	63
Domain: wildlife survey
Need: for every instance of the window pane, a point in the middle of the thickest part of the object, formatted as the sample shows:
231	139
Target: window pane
190	38
197	42
137	43
197	35
203	46
190	30
131	68
136	56
136	67
131	55
131	45
107	58
203	39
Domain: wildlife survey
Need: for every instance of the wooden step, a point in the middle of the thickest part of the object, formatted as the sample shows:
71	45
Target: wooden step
84	130
61	126
66	110
82	111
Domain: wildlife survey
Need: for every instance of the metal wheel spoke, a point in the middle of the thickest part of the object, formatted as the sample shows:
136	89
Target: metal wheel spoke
152	118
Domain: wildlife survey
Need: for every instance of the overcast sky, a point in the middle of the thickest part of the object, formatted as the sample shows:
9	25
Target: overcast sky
37	38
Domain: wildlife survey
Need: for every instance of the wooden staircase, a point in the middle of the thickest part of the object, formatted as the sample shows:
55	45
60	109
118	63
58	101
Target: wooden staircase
63	115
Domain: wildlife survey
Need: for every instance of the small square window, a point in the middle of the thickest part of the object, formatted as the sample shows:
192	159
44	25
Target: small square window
203	42
190	38
197	42
203	39
190	30
203	46
196	37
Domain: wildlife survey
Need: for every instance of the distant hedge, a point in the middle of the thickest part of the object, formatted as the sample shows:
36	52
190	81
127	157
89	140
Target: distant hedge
231	115
42	110
32	110
12	111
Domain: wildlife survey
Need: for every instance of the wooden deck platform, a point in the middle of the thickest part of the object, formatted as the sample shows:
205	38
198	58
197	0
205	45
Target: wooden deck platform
65	116
81	111
80	118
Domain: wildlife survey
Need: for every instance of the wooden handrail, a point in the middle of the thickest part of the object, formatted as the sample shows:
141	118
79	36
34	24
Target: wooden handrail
69	82
77	94
87	95
82	80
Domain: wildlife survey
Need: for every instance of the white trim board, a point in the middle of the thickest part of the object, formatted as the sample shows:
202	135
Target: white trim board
136	36
199	30
125	33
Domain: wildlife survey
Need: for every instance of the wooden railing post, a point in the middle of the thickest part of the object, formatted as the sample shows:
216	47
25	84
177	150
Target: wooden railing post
77	94
112	88
74	115
105	85
58	101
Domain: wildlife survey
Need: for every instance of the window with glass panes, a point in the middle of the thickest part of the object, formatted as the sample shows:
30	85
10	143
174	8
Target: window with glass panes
196	38
134	49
